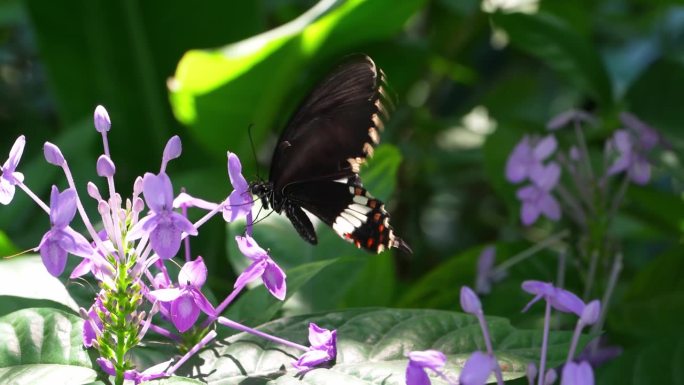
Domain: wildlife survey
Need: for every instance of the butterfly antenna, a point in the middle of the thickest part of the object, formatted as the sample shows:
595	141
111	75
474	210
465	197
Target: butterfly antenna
251	142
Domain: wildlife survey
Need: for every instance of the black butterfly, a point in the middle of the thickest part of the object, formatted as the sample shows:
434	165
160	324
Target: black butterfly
316	161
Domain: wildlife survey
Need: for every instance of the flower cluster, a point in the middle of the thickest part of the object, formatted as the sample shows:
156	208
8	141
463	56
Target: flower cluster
539	161
128	259
480	365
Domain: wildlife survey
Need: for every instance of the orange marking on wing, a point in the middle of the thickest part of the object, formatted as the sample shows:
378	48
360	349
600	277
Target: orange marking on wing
369	243
376	217
372	203
381	228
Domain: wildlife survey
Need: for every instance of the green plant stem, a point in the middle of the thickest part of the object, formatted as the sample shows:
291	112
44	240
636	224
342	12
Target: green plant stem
545	343
507	264
605	301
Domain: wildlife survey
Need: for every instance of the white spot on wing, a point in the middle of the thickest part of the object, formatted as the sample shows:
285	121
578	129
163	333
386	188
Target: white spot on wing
359	208
349	217
361	217
342	227
361	200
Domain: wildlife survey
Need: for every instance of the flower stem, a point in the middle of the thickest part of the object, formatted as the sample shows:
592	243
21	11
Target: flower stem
231	324
203	342
612	281
507	264
222	306
35	198
545	343
488	343
575	340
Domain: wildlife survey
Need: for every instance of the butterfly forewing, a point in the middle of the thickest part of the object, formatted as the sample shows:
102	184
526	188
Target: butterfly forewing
316	161
335	128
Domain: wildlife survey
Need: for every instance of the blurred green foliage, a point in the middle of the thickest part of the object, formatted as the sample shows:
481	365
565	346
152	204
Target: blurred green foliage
208	70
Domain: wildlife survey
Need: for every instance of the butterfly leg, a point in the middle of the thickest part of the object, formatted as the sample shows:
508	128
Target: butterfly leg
301	223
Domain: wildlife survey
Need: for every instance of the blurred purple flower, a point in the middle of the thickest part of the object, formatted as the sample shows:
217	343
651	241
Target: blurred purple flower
101	119
419	361
477	369
566	117
186	300
61	240
577	374
560	299
537	198
647	136
262	266
470	303
240	200
323	348
629	158
9	176
527	156
164	226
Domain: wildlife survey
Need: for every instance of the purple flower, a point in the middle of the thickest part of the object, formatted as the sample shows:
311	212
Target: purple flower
528	156
9	177
537	198
163	225
92	327
419	361
477	369
240	200
323	348
561	300
262	266
591	312
486	274
137	377
577	374
187	300
630	158
470	303
564	118
53	155
647	136
101	119
61	240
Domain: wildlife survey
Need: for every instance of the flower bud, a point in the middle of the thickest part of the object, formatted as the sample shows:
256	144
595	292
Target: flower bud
53	155
173	148
470	303
93	191
590	313
101	118
531	372
105	167
550	377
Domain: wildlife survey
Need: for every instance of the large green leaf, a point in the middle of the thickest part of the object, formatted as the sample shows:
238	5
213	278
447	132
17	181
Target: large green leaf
562	48
43	346
372	347
219	93
25	281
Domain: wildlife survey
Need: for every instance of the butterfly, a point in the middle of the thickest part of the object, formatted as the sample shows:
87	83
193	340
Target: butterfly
316	161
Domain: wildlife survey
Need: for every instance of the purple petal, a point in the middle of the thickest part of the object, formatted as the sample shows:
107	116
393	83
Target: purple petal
143	227
432	359
321	338
546	177
235	173
274	280
550	207
158	192
416	375
15	155
545	147
183	224
470	303
53	155
62	207
106	366
105	167
249	248
620	164
518	162
477	369
566	117
311	359
203	303
89	332
193	273
76	244
101	118
165	295
238	206
165	240
82	269
550	377
640	171
648	136
173	148
528	193
623	141
529	213
577	374
591	312
6	191
485	264
545	289
53	255
187	200
252	272
184	312
568	302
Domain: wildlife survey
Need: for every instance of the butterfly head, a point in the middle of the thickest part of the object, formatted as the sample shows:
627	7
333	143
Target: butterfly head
264	190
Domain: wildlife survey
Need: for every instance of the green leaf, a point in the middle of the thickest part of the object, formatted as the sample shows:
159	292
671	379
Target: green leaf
562	48
43	346
372	346
655	362
25	278
380	175
248	82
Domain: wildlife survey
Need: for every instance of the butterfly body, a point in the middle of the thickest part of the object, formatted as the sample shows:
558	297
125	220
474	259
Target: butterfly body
316	161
